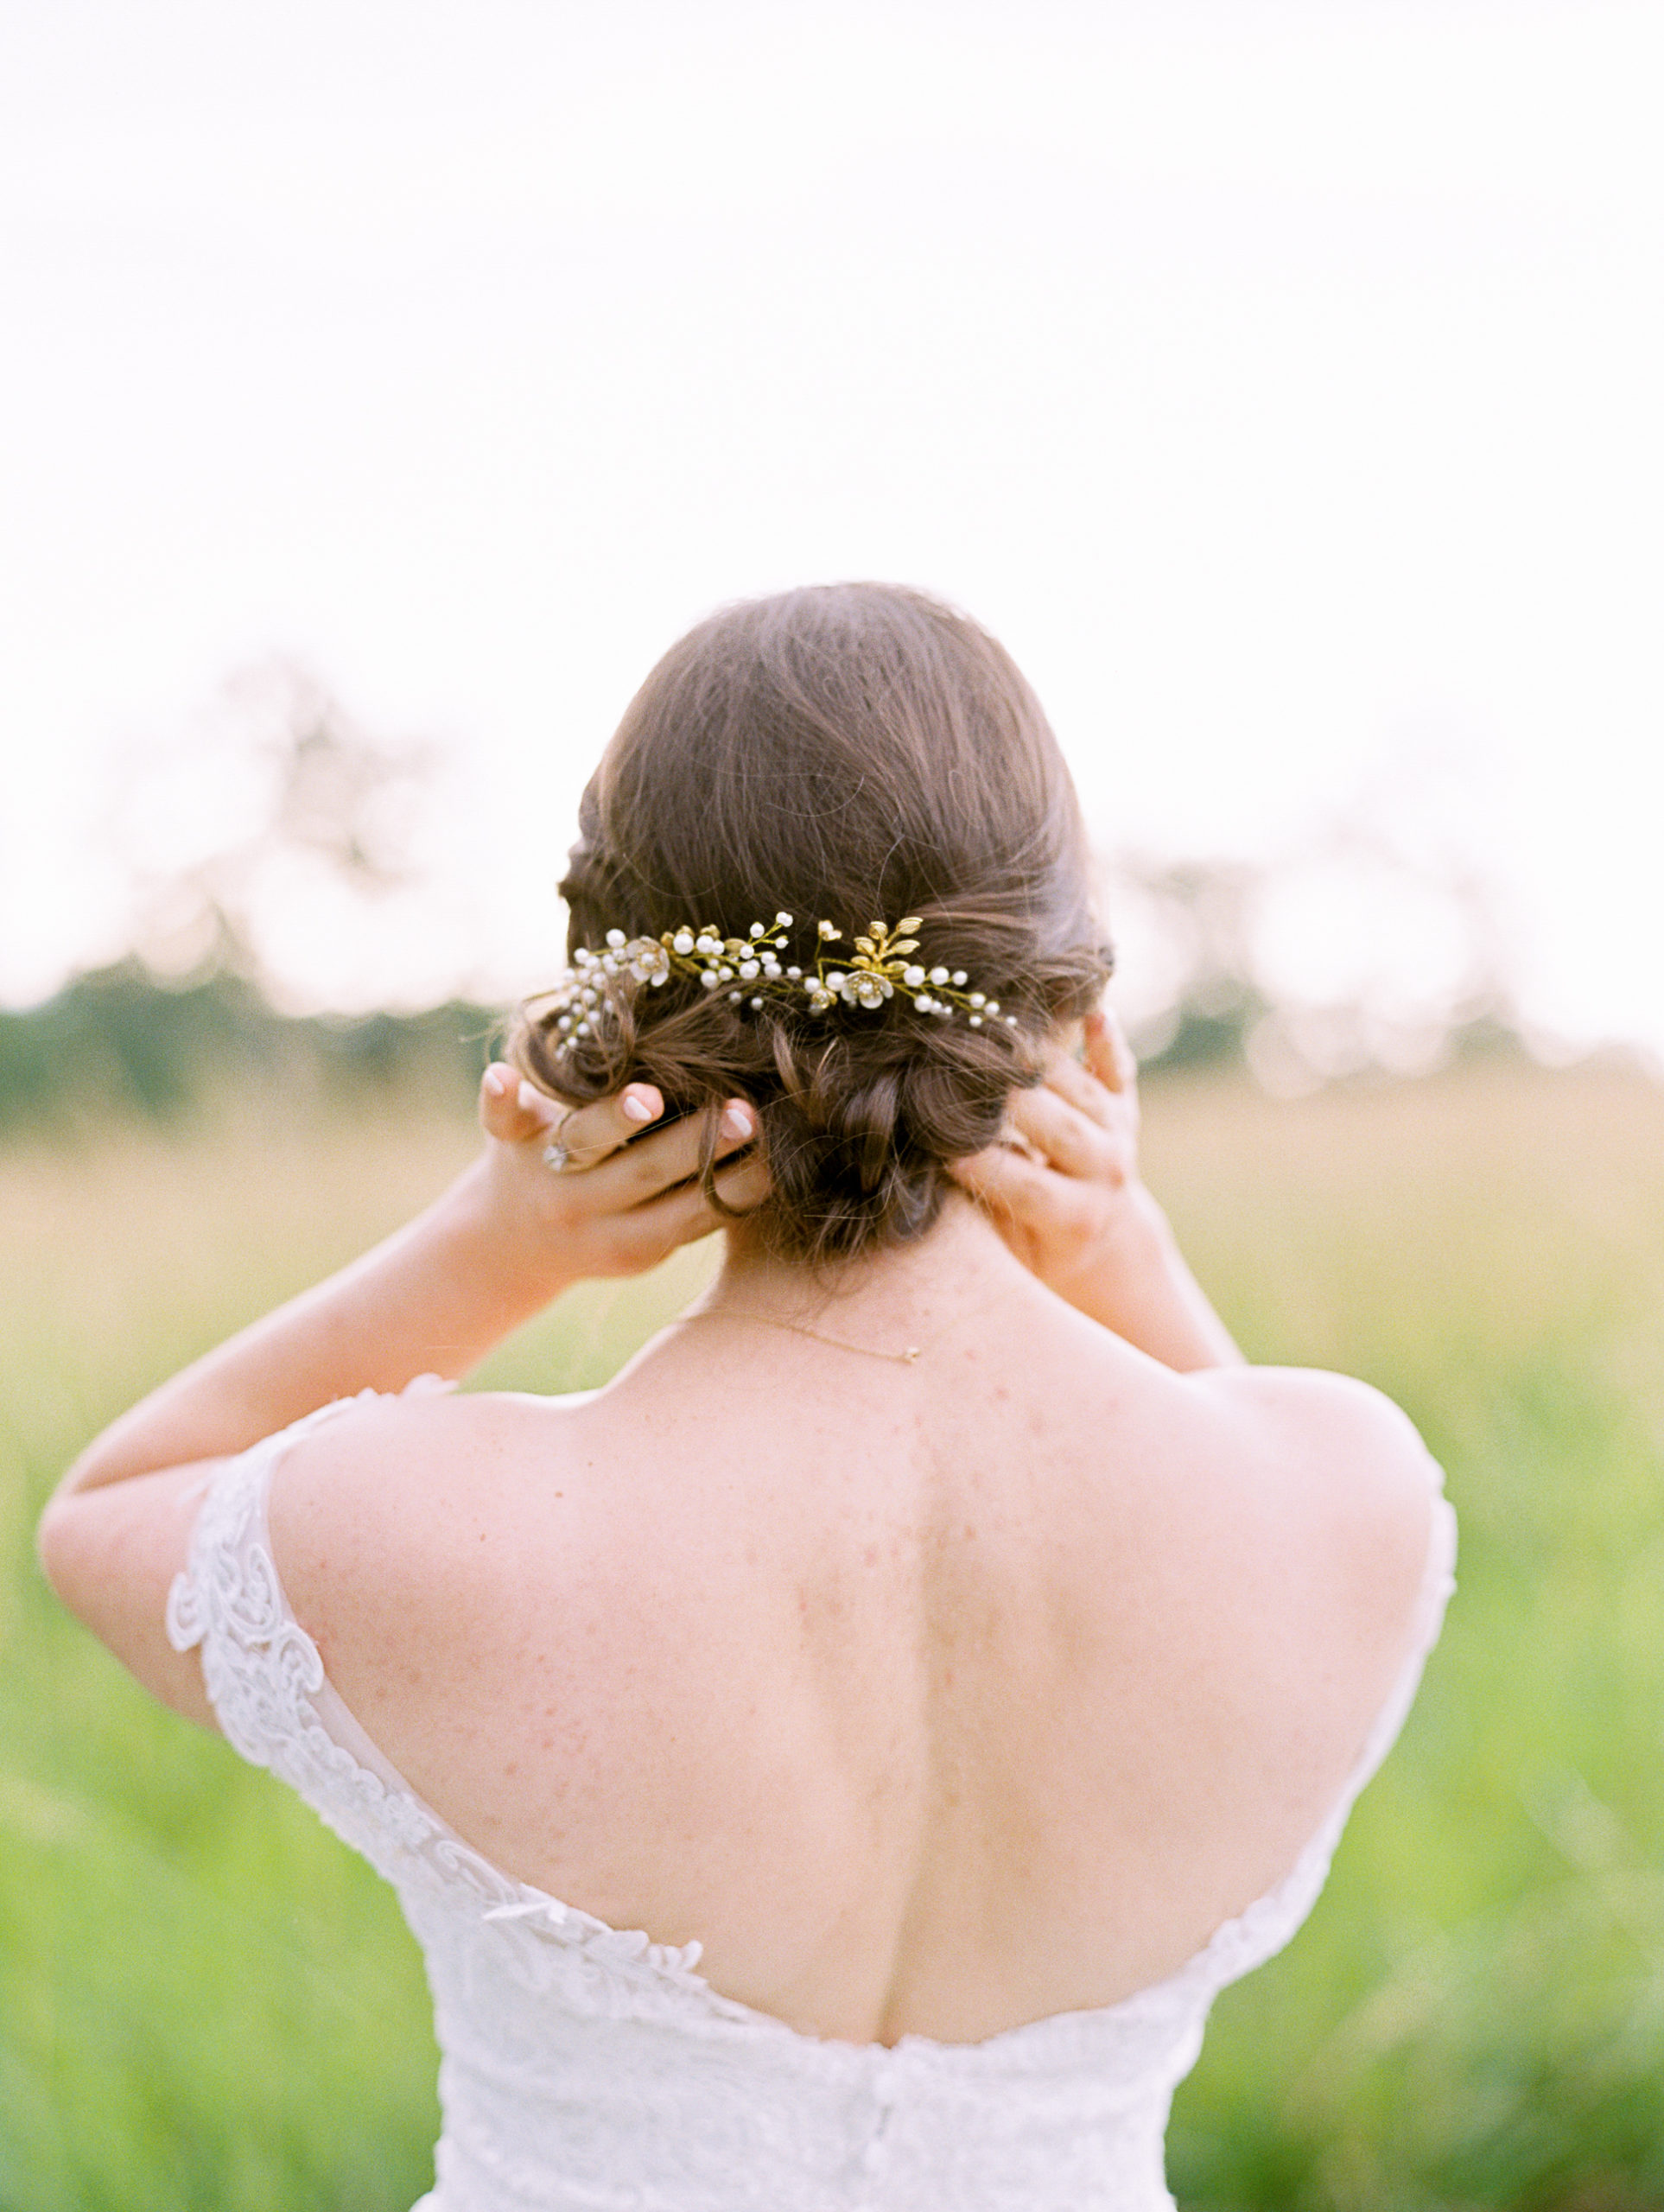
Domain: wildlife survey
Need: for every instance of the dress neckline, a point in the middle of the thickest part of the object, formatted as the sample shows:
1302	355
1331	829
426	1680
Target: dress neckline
1260	1929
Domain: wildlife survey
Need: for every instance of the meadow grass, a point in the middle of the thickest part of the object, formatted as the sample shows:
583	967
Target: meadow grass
206	2002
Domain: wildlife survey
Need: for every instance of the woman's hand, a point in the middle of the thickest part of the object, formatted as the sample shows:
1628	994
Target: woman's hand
1059	1185
621	1201
1063	1188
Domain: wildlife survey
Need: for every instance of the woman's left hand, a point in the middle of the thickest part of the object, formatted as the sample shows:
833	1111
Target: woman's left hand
1061	1183
1063	1188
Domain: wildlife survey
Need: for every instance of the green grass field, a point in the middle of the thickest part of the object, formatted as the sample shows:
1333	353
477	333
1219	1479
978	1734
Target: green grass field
206	2004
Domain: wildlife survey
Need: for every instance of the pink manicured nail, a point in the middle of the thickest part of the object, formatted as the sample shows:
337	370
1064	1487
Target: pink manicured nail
497	1081
634	1109
528	1099
738	1121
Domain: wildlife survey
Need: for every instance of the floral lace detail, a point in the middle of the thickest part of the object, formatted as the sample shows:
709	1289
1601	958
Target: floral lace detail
265	1679
586	2069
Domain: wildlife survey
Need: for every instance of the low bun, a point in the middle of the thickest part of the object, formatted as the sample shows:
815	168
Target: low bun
852	751
859	1151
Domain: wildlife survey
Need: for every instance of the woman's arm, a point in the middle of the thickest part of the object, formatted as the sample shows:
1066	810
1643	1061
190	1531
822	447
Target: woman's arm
1068	1201
506	1238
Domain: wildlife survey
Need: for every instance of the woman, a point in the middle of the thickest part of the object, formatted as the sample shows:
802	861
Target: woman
955	1660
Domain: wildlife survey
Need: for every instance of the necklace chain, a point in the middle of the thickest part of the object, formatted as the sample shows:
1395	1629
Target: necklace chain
772	1321
908	1357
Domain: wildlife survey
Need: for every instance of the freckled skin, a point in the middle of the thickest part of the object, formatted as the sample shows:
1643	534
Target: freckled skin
926	1704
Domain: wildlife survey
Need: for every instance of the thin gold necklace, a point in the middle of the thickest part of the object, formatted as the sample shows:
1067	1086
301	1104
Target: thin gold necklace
906	1358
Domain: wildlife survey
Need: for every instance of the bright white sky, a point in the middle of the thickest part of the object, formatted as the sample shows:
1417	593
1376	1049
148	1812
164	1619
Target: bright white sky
1281	382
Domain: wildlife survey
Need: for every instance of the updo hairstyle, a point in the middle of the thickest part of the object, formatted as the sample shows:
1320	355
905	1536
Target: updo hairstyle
852	752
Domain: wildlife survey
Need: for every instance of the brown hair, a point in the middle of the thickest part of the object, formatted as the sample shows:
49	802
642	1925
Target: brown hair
853	751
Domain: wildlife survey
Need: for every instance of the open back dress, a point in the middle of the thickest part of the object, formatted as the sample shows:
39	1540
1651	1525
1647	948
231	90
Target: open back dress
584	2069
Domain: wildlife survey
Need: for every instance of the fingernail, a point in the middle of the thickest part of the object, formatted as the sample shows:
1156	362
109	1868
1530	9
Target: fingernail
529	1100
738	1121
497	1081
635	1110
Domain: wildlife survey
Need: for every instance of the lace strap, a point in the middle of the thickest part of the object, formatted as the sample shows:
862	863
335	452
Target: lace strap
265	1679
263	1673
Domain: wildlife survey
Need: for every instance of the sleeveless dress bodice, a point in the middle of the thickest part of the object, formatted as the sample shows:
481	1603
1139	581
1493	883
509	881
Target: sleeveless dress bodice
584	2069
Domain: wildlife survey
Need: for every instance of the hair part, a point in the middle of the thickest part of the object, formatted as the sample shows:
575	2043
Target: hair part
848	752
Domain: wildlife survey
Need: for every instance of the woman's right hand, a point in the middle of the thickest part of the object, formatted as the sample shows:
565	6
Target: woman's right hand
624	1200
1061	1183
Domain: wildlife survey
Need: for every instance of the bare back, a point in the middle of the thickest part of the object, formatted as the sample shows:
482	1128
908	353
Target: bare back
931	1699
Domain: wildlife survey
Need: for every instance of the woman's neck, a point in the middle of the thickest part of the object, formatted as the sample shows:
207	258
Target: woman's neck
905	1295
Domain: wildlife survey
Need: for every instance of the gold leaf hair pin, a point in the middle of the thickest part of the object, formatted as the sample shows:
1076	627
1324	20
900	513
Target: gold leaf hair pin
754	971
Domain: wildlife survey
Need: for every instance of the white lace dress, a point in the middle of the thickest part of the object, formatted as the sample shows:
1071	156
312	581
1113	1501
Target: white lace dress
585	2067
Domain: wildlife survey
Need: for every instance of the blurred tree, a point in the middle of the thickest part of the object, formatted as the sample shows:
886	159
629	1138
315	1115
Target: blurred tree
276	795
1346	955
1184	934
276	791
276	815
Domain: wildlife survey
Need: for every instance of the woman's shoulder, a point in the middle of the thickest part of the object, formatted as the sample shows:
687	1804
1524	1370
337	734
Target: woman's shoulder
412	1490
361	1448
1340	1483
1342	1437
1317	1418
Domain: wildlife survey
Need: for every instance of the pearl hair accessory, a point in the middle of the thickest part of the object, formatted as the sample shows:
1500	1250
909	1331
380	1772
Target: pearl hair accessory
752	970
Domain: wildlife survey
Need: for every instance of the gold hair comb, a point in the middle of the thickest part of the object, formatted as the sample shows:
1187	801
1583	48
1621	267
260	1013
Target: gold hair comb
752	970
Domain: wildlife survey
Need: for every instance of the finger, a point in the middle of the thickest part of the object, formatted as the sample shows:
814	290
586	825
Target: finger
631	1177
1109	1055
1066	1076
685	1214
511	1109
1072	1142
495	1085
1014	1187
592	1134
988	1175
741	1187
